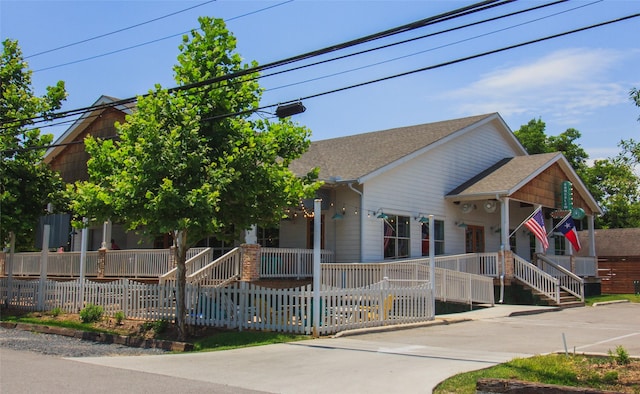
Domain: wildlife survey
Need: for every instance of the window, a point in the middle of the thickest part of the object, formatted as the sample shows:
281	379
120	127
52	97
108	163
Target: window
559	245
396	237
269	237
438	237
219	246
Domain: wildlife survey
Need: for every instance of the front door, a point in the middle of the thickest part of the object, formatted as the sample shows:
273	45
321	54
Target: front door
474	239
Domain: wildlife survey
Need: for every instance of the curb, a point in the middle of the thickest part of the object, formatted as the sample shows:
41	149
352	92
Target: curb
373	330
610	302
102	337
534	311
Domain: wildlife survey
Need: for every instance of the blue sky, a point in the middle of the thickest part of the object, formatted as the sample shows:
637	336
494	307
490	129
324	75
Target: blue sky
580	81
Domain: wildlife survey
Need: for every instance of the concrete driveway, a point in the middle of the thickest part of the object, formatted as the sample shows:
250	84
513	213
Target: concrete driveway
407	361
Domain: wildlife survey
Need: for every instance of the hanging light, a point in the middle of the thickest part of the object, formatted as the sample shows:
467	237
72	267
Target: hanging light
423	220
383	215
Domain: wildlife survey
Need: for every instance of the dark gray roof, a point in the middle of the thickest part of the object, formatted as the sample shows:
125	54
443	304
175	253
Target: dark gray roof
504	177
353	157
612	242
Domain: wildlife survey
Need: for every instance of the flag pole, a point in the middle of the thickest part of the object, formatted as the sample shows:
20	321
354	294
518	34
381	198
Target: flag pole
524	221
564	219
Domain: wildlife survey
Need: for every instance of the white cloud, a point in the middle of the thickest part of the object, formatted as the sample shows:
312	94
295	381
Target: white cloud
565	85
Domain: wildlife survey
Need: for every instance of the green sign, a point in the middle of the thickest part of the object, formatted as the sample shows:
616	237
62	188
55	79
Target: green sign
567	195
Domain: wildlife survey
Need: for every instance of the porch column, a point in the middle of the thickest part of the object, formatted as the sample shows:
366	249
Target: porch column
251	235
504	226
592	235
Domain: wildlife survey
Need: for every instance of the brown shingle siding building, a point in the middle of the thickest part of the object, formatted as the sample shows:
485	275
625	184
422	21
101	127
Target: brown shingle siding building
618	252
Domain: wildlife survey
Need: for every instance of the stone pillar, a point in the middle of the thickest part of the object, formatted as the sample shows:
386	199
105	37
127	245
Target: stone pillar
250	262
102	257
508	264
572	262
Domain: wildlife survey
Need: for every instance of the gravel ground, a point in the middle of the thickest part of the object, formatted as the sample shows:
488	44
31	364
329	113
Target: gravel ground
61	346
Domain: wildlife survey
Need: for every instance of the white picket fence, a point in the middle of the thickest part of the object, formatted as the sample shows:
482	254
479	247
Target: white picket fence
238	305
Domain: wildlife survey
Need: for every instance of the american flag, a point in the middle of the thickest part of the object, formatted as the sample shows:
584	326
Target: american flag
536	225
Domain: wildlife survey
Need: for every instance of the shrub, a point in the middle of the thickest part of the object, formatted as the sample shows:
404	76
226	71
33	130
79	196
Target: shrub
55	312
91	313
119	317
621	356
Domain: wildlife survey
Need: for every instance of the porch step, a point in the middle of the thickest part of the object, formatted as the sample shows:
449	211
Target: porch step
567	300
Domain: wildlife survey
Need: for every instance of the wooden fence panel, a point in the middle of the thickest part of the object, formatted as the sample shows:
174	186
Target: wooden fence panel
618	276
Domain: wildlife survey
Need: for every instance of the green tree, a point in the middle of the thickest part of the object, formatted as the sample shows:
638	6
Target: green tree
616	187
181	166
535	140
26	183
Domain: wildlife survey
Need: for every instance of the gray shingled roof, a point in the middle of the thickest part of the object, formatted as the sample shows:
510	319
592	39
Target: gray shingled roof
353	157
612	242
504	177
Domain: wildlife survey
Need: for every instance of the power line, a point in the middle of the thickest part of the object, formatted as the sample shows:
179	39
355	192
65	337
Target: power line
459	60
440	65
152	41
386	33
119	30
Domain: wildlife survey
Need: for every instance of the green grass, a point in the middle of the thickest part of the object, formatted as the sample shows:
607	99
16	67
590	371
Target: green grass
226	340
576	371
612	297
55	323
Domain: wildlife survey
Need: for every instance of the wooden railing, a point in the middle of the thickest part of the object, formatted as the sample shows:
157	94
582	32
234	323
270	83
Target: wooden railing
585	266
473	263
537	279
220	272
130	263
195	262
567	280
450	285
289	262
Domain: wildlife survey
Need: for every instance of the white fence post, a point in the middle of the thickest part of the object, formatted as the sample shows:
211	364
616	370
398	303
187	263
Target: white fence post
43	265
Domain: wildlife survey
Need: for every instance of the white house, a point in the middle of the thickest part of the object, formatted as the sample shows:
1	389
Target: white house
471	174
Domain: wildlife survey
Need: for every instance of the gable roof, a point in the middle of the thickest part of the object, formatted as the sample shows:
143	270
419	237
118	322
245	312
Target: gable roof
355	157
504	177
511	174
622	242
85	120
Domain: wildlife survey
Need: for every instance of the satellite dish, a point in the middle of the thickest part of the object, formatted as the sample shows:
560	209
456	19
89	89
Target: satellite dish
490	206
467	207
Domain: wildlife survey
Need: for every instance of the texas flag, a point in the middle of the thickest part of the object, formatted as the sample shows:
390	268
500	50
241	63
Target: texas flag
568	228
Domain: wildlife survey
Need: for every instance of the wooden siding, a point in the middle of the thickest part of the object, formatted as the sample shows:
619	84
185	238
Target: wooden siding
618	274
71	163
545	189
420	185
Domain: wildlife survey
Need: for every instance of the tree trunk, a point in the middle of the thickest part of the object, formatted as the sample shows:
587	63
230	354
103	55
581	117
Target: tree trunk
180	240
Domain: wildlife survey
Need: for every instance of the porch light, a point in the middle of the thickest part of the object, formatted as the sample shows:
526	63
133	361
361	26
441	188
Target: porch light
337	216
423	220
383	215
461	224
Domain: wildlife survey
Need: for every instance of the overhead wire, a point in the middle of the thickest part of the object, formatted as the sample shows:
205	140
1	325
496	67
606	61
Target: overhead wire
153	41
433	48
119	30
422	69
386	33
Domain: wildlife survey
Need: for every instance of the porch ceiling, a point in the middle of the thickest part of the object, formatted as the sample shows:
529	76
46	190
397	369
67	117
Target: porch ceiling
534	179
